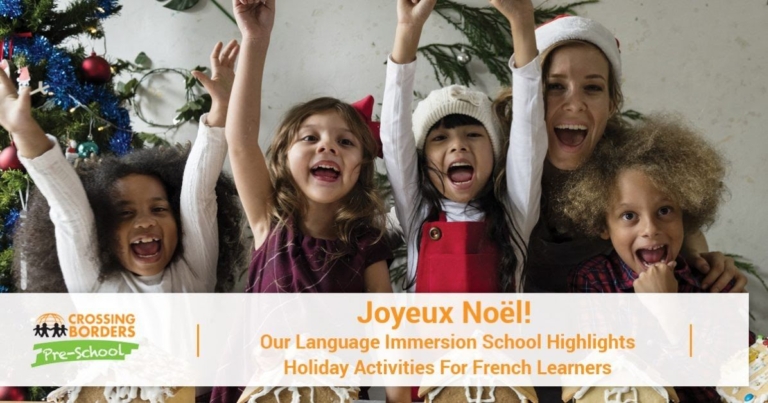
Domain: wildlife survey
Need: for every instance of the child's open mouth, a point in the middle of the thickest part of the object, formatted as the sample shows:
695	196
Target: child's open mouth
461	173
146	248
325	172
571	135
652	255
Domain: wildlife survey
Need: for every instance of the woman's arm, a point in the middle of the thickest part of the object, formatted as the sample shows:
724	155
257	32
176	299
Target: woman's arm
719	269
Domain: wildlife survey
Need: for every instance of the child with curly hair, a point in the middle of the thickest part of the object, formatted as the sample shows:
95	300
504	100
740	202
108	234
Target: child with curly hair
663	180
140	223
311	202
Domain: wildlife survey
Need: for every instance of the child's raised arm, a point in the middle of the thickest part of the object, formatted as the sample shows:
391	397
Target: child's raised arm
255	20
519	13
528	134
70	211
411	16
16	117
219	85
198	205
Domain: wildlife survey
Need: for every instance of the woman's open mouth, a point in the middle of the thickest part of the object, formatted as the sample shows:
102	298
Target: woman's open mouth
571	135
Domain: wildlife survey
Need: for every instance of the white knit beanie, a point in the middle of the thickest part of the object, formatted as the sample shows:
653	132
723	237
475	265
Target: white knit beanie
456	99
570	27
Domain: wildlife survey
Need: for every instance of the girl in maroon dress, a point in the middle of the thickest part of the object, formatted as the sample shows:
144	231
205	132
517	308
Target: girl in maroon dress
312	204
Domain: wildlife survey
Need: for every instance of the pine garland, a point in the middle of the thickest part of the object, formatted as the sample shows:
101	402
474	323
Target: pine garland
489	37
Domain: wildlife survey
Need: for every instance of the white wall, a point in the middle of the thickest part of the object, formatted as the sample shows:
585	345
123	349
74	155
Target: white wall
706	60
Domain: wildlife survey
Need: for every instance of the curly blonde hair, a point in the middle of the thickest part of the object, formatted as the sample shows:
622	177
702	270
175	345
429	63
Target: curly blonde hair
677	160
362	209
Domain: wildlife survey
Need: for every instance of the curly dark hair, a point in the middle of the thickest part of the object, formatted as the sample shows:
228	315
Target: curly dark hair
489	200
677	160
35	237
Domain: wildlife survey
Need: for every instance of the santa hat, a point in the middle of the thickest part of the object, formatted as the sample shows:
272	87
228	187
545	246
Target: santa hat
570	27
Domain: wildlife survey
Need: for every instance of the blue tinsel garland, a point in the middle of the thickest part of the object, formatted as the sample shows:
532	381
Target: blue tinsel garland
60	76
9	223
10	8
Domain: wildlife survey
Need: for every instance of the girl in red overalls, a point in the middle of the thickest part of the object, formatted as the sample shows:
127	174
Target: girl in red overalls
466	209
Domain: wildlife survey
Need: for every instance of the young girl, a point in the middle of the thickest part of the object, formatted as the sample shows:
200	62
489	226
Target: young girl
467	229
312	204
132	224
582	72
643	193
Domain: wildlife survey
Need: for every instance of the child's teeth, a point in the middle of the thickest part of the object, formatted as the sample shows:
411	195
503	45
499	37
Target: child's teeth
328	167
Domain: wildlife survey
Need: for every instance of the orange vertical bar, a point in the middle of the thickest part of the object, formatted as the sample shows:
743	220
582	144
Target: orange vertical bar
198	340
690	340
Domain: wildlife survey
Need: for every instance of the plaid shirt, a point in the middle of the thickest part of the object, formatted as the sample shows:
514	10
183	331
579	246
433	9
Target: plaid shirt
609	274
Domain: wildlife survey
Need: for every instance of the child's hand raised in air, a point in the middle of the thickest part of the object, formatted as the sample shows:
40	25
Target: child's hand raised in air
414	12
16	117
255	18
519	13
219	85
659	277
512	8
411	16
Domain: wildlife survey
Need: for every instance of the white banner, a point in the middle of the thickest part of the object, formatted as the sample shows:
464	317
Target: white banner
374	339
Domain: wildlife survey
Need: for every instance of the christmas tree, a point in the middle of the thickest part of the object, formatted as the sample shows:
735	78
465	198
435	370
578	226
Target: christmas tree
73	95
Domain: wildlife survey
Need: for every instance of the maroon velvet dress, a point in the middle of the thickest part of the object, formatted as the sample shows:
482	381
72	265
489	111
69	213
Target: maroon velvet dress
288	261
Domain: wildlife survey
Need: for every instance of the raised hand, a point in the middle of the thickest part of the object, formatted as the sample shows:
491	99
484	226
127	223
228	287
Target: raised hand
16	117
659	277
411	16
255	18
219	85
513	8
519	13
414	12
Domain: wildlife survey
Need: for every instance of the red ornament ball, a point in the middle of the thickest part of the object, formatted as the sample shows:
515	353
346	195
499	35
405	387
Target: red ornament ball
13	394
9	159
96	70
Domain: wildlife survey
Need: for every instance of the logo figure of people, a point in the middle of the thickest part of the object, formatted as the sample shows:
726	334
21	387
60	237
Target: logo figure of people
50	322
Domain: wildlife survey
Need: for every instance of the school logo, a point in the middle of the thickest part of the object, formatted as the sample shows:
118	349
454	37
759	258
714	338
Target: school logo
50	322
75	337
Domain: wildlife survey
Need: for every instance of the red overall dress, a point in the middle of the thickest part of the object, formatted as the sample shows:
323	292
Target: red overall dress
456	257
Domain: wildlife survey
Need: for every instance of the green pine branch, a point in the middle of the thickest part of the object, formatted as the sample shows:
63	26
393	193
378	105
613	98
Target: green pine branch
484	27
543	14
80	17
490	41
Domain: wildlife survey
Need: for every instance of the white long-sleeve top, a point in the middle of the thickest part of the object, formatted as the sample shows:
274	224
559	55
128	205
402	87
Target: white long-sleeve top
524	166
76	239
